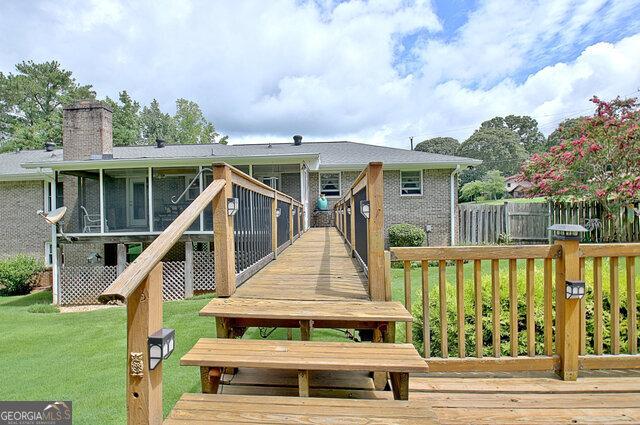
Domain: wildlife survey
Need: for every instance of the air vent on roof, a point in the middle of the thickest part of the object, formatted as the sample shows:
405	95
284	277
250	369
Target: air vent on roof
160	143
49	146
297	140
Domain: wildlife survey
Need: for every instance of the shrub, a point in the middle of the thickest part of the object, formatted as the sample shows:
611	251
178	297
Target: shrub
406	235
18	274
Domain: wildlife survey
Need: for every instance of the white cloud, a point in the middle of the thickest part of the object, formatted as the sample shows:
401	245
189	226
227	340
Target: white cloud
330	69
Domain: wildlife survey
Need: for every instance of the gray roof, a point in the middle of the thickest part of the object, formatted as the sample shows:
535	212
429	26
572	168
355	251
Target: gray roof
11	168
330	155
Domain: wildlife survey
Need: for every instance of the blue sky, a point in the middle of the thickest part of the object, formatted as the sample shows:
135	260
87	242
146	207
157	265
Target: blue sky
373	71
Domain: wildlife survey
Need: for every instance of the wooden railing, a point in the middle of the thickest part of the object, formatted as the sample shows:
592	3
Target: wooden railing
365	236
498	330
243	243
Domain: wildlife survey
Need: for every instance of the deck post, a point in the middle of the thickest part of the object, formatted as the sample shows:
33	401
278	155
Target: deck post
291	220
223	238
188	269
274	225
567	311
144	317
375	258
121	258
352	218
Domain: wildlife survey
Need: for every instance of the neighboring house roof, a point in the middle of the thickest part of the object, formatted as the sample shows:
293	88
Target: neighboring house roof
338	155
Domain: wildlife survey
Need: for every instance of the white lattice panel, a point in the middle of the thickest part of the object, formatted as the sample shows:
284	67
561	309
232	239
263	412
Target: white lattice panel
203	271
173	280
83	284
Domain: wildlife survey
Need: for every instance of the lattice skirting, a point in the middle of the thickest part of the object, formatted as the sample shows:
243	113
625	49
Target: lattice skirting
83	284
203	271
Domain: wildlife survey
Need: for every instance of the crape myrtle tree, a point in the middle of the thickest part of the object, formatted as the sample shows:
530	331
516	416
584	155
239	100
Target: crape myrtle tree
600	164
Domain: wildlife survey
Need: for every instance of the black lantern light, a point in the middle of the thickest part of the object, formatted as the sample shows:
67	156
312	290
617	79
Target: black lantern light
232	206
574	289
567	231
365	208
161	345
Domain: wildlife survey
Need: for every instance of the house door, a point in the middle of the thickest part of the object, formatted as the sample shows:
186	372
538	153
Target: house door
137	201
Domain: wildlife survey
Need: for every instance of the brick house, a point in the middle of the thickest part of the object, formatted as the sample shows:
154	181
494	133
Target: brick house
119	199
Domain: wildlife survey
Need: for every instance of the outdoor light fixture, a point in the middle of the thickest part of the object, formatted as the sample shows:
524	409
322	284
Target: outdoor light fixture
232	206
365	209
161	345
349	210
295	211
278	212
574	289
93	258
567	231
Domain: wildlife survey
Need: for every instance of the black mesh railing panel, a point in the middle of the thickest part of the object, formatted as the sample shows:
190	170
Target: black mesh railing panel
283	223
251	227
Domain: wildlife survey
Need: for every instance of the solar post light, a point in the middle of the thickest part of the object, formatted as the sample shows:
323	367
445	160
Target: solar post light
161	345
233	204
365	209
567	231
575	289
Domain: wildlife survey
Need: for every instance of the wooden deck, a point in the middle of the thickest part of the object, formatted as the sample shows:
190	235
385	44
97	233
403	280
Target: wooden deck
507	398
318	267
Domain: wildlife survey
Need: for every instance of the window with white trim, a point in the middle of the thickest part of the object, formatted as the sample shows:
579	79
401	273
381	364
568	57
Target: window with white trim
48	254
411	183
330	184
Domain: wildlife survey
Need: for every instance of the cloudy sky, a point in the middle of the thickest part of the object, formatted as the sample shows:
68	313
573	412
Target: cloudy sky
377	71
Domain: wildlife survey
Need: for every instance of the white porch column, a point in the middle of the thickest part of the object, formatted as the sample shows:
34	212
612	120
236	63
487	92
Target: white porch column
188	269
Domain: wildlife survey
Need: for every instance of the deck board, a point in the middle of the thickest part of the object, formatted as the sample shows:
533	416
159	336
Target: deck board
317	267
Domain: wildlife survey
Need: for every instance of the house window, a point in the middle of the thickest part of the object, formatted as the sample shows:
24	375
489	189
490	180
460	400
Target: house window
193	191
411	183
48	254
330	184
272	182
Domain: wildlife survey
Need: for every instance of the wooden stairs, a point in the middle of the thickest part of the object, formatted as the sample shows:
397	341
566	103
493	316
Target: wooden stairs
301	381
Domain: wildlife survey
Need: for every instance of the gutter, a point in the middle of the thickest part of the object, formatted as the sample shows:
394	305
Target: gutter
453	196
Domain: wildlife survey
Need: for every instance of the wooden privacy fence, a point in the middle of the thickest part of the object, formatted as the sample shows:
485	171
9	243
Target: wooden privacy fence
485	224
244	242
486	316
623	226
363	235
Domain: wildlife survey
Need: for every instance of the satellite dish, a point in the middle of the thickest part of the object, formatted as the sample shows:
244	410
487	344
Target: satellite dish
53	217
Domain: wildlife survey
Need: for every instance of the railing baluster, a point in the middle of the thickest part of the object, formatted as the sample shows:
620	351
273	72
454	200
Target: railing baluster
632	322
407	299
513	306
615	305
442	288
531	323
477	282
597	306
548	306
460	307
495	307
426	318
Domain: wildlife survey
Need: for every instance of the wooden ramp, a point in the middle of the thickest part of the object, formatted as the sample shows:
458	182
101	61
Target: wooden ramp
316	267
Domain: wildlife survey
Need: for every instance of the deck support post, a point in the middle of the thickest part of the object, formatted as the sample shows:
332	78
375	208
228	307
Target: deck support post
400	385
121	258
188	269
144	317
303	383
210	379
567	311
375	257
223	239
379	378
306	327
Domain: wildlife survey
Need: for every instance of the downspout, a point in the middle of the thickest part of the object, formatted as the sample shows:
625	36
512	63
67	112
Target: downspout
453	195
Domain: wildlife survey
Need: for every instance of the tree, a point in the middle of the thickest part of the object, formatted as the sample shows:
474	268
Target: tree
568	130
126	120
192	126
602	164
155	124
531	138
31	103
441	145
498	148
492	186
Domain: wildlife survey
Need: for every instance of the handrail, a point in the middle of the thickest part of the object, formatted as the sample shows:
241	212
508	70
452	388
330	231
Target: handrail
473	252
356	184
139	269
261	187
